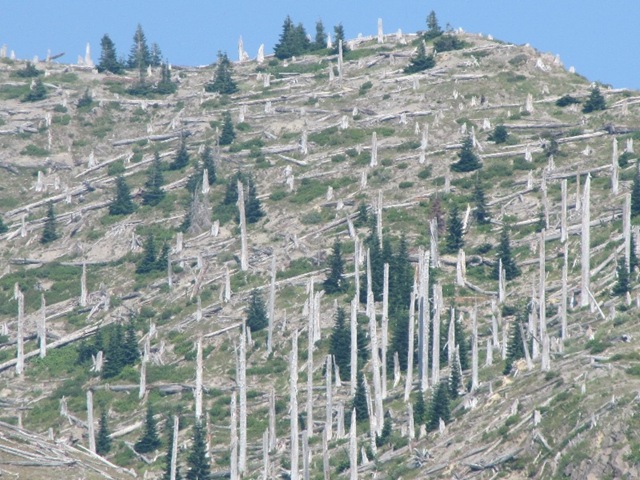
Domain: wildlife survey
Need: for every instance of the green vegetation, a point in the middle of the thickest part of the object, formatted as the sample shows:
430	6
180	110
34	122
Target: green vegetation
49	233
122	204
222	78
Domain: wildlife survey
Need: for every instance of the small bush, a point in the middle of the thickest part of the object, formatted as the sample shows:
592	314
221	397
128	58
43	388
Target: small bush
405	185
365	87
446	43
566	100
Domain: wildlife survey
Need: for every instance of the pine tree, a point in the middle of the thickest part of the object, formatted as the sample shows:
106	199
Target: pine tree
108	57
439	406
622	285
400	278
455	380
335	281
140	56
256	312
162	263
433	29
419	409
454	240
149	440
222	78
480	213
103	441
197	460
209	165
420	61
594	102
363	217
499	134
504	253
320	41
633	258
515	348
165	86
386	430
360	399
36	93
635	193
155	55
399	339
49	233
468	160
293	40
122	203
253	207
153	192
147	262
338	35
182	157
131	354
340	342
115	353
462	344
3	226
228	135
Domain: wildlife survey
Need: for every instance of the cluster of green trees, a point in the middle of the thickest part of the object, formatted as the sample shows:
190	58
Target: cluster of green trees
252	205
294	40
150	261
222	78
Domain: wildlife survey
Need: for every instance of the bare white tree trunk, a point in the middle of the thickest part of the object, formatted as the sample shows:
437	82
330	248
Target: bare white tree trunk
474	349
527	356
563	211
356	266
242	390
293	399
227	285
234	437
502	290
244	252
353	447
174	448
626	229
310	348
198	309
354	345
90	422
374	150
325	455
20	334
272	304
379	216
408	386
489	358
198	390
42	334
340	427
578	196
375	366
205	181
272	420
435	351
451	337
265	455
83	286
142	389
396	369
614	167
586	245
461	269
433	229
505	338
563	305
340	60
546	358
411	422
169	272
424	318
385	328
541	290
305	454
328	427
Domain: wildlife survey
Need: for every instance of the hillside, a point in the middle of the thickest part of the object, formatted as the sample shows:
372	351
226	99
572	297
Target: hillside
325	148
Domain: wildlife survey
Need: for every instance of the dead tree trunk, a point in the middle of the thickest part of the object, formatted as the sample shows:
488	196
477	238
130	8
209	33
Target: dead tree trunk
474	349
244	253
585	244
198	389
293	400
424	319
234	437
328	427
20	339
272	304
90	422
354	345
242	390
353	448
83	286
174	448
435	351
408	386
42	334
385	328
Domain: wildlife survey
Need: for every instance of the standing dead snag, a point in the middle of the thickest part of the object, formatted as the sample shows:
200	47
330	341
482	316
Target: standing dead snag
244	253
42	327
424	319
293	407
198	389
90	422
18	295
408	386
585	245
242	389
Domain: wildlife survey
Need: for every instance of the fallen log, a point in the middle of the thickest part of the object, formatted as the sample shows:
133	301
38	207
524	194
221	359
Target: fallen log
152	138
495	462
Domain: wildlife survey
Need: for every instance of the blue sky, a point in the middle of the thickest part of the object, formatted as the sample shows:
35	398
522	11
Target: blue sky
598	37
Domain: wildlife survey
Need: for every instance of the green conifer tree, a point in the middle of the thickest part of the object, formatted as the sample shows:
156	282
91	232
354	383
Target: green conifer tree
400	278
455	380
103	441
122	203
419	409
3	226
149	440
320	40
467	160
256	312
140	55
399	339
286	46
147	262
594	102
165	86
108	57
253	206
433	29
197	460
49	233
36	93
515	347
420	61
635	194
480	213
454	239
155	55
340	342
338	35
115	354
387	426
209	165
228	135
360	400
182	157
163	259
462	344
335	281
504	253
499	134
623	284
153	192
222	78
131	354
439	406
